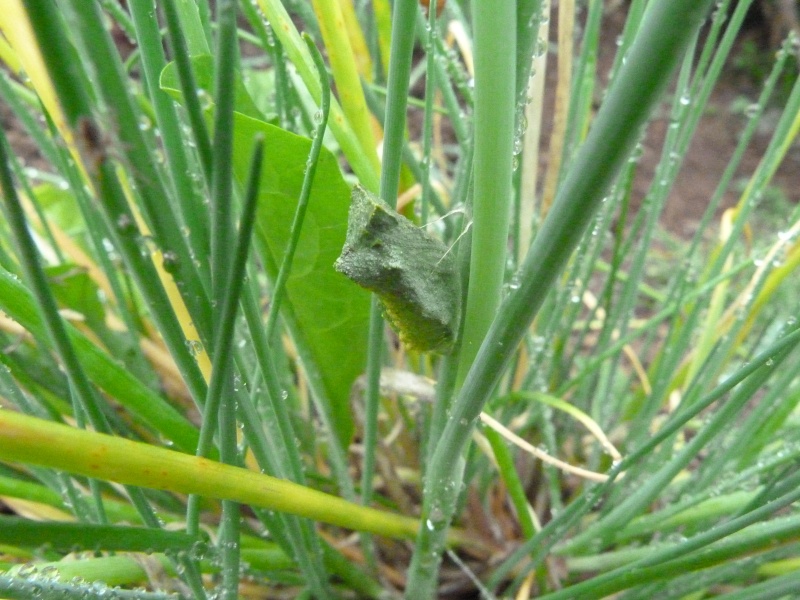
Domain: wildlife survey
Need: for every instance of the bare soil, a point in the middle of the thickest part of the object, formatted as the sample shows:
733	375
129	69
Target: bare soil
717	133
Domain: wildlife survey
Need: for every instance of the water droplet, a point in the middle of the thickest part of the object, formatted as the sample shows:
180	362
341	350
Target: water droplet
195	347
170	262
204	98
125	223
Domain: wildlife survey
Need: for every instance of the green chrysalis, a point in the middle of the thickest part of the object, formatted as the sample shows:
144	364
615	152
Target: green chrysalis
411	271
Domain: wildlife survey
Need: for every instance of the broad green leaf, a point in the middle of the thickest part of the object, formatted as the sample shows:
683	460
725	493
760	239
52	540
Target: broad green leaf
327	315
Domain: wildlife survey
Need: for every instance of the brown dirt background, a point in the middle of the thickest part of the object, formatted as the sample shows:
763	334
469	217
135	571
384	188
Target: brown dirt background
718	130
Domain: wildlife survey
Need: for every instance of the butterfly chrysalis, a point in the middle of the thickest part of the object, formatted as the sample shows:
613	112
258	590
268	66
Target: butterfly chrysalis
411	271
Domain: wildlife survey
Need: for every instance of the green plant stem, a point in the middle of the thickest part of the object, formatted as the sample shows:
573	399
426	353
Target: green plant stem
19	588
120	16
394	126
781	586
230	528
411	160
527	22
16	168
134	463
658	48
226	278
271	45
505	465
495	102
68	536
427	125
394	131
114	570
225	57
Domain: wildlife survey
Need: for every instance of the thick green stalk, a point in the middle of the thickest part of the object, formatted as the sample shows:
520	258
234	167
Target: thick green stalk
659	46
495	101
135	463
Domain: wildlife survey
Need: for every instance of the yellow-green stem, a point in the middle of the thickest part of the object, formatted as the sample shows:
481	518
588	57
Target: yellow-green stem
44	443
